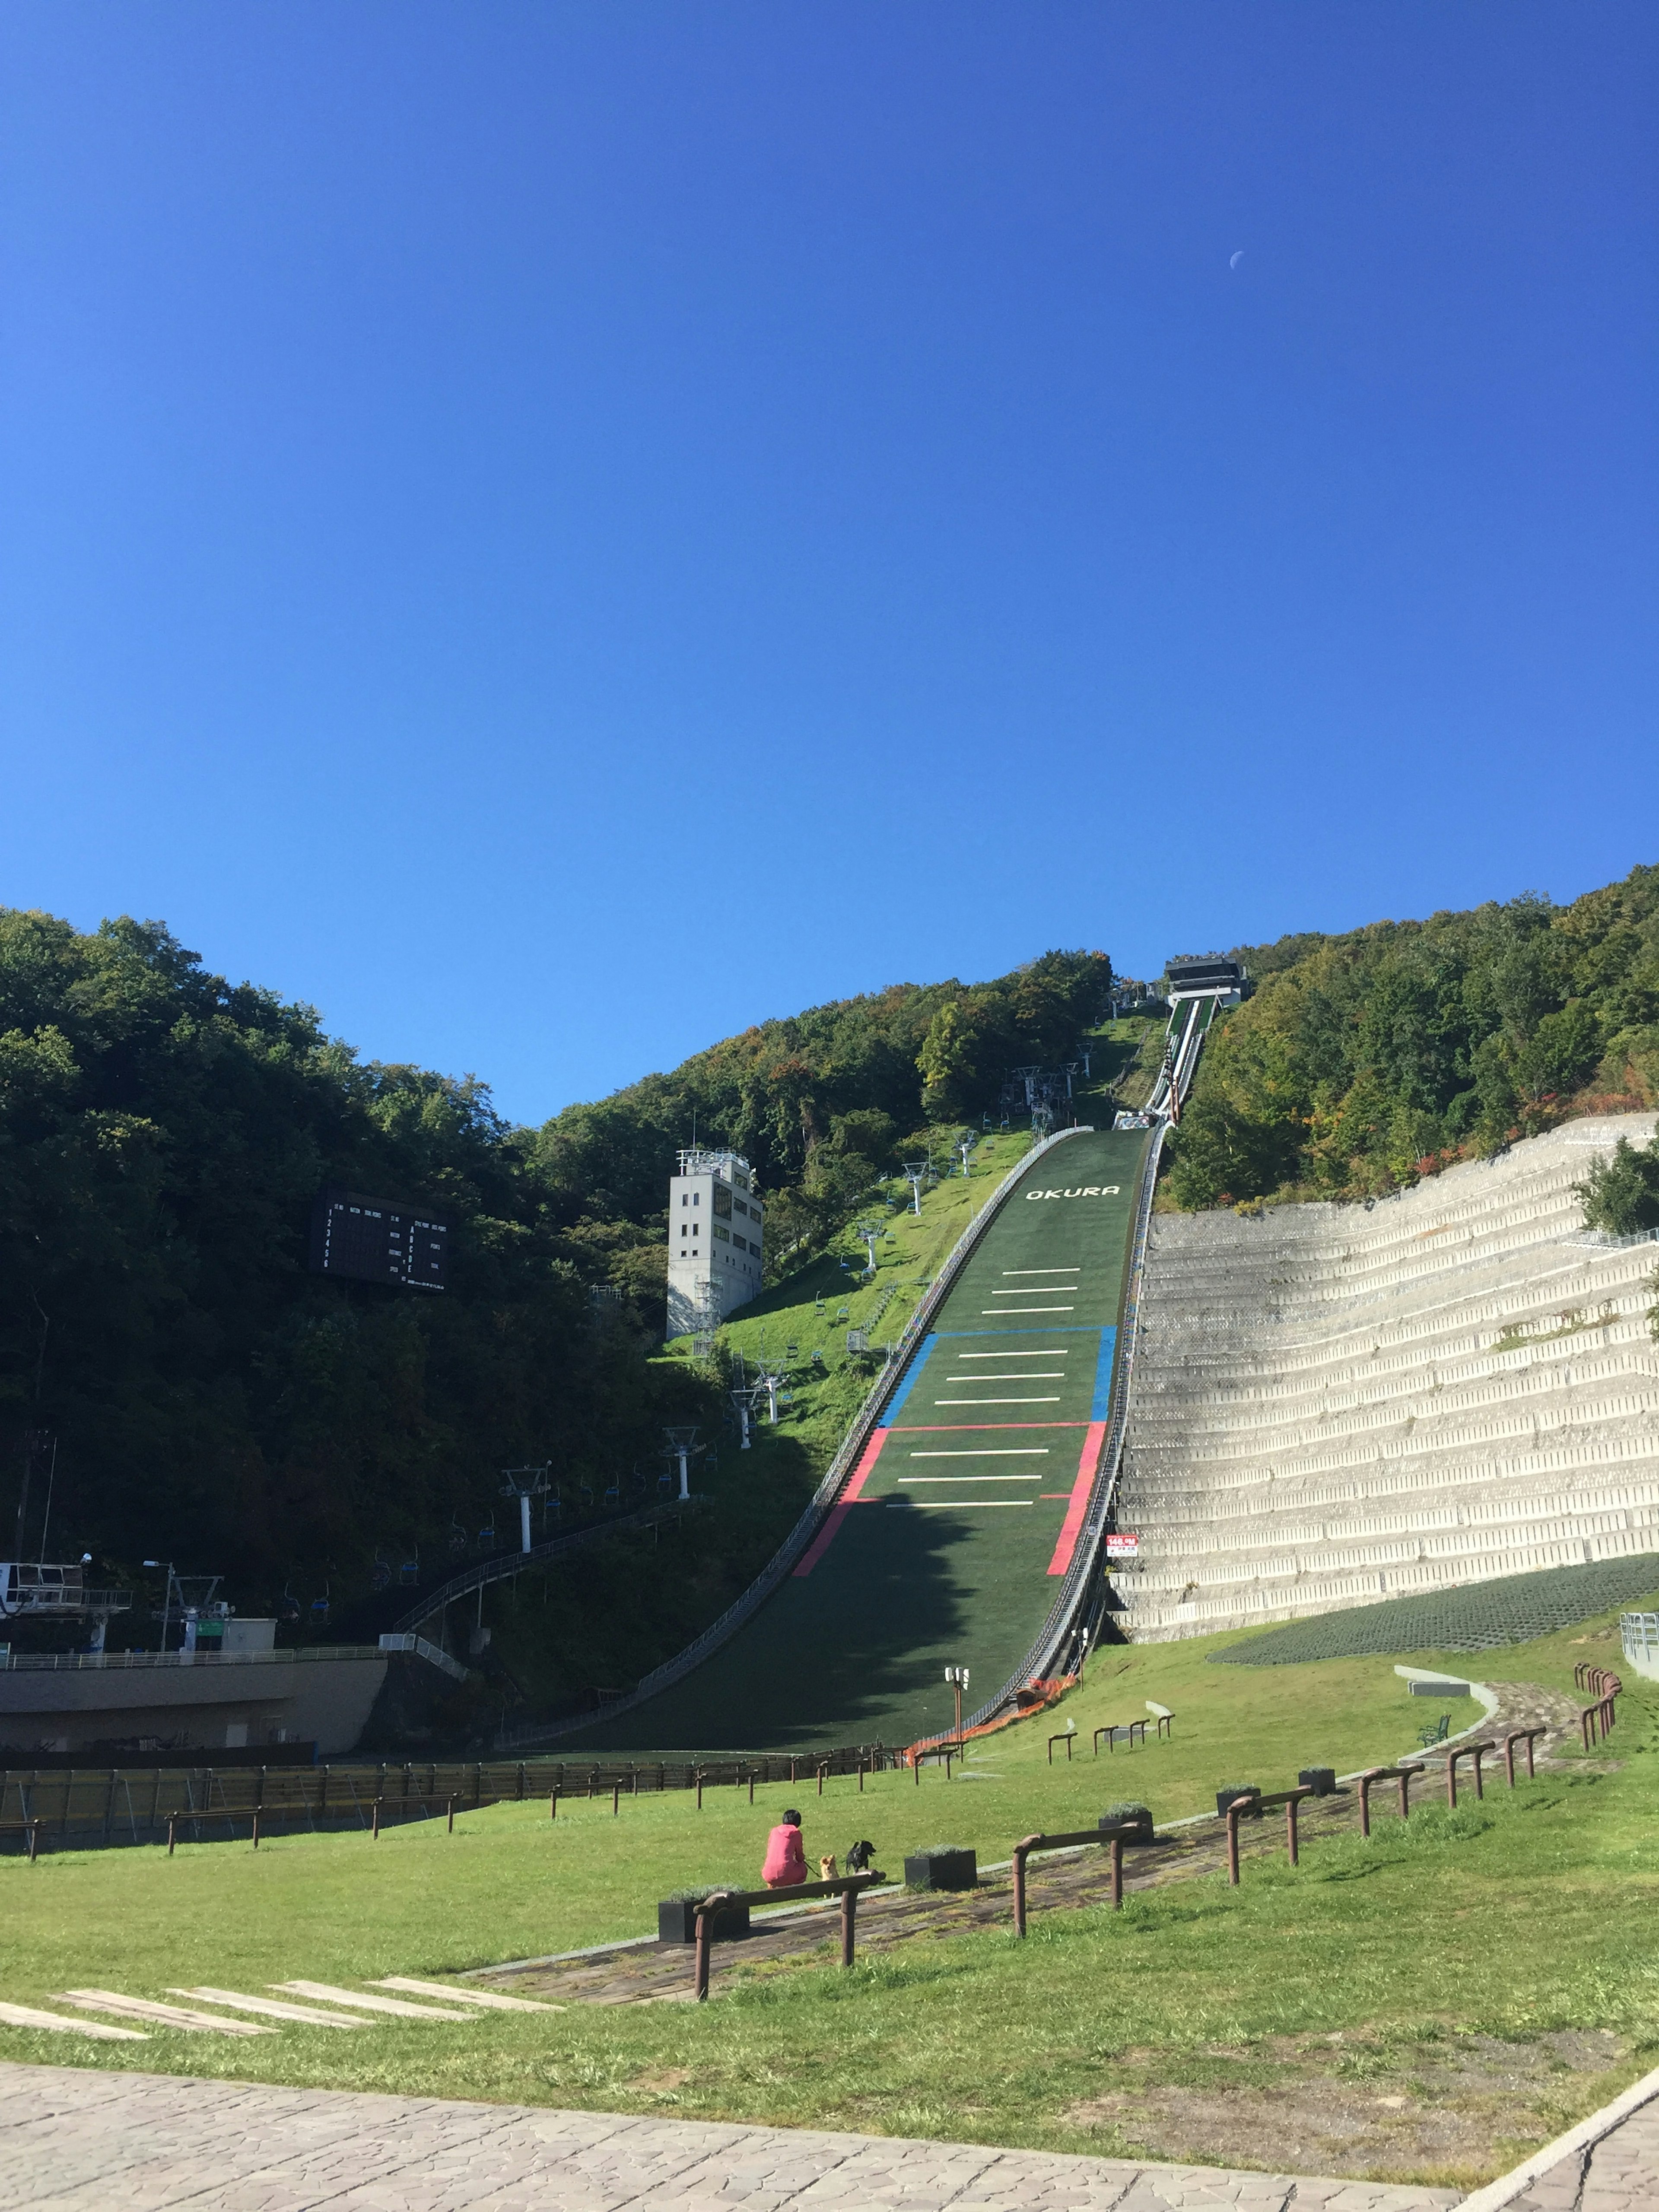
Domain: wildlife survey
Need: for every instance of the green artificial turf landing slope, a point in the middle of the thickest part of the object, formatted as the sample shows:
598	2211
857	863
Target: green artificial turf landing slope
944	1557
1476	1617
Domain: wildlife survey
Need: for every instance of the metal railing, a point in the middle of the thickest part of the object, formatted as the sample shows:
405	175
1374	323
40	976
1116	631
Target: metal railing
429	1652
117	1663
120	1661
823	1497
501	1564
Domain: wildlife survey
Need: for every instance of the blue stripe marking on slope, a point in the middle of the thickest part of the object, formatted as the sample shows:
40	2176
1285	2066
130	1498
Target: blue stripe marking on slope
910	1382
1102	1408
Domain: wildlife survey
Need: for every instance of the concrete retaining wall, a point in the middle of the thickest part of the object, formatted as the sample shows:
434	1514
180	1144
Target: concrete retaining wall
1334	1404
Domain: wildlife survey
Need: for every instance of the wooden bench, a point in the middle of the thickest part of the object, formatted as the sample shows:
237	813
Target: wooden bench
846	1887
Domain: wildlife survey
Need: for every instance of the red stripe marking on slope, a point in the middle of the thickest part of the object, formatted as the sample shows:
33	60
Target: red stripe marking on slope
1071	1526
850	1496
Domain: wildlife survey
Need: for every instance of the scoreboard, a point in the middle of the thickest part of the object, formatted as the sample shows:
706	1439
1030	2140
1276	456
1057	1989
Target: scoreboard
378	1240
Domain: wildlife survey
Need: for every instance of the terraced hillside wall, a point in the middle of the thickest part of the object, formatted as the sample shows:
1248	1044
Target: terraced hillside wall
1334	1404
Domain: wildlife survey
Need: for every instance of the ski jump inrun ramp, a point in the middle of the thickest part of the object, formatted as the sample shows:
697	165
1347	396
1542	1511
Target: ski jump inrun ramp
968	1498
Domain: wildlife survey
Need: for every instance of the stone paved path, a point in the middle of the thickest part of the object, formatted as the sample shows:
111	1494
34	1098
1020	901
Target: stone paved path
1619	2173
78	2139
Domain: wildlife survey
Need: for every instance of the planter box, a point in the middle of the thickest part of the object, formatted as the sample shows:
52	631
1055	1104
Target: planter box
1321	1780
941	1870
1141	1832
1225	1797
677	1922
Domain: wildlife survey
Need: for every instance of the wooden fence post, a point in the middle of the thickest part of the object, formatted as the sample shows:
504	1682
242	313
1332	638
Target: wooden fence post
1021	1850
849	1905
1116	1849
1232	1839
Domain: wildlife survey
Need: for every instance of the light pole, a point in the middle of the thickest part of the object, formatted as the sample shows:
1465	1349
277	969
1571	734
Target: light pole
957	1677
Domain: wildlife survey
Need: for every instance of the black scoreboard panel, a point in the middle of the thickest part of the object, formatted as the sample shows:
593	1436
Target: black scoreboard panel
378	1240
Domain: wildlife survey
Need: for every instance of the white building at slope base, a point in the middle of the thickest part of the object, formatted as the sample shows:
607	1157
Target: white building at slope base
713	1240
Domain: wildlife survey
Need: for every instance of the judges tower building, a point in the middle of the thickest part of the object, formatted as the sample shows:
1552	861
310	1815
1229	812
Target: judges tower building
713	1240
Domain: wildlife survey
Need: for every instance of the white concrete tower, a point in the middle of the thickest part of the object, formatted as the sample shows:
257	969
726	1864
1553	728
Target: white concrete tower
713	1239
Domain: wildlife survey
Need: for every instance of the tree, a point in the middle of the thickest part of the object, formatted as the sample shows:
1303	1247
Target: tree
1622	1195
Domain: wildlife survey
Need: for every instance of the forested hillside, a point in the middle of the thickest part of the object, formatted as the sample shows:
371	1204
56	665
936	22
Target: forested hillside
1367	1060
162	1136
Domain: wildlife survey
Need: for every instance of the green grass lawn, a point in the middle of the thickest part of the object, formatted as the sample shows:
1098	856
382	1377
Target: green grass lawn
1522	1926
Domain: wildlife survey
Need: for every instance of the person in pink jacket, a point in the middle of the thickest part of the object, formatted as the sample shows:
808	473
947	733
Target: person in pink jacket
786	1857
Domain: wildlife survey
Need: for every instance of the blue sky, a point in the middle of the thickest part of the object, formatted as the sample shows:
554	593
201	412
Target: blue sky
553	532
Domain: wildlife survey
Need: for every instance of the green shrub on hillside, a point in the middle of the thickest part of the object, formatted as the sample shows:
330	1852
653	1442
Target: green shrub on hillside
1622	1195
1365	1060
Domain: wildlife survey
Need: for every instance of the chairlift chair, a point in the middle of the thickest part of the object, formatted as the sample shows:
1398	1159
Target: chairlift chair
487	1538
410	1572
319	1607
613	1495
457	1536
380	1574
288	1606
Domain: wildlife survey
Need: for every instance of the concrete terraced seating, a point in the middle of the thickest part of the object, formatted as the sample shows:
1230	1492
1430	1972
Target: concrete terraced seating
1338	1403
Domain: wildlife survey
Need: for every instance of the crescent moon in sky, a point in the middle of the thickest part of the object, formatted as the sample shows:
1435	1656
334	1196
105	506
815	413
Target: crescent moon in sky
1236	258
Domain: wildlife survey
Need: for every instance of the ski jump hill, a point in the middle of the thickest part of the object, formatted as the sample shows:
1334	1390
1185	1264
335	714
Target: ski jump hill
959	1520
1320	1407
963	1521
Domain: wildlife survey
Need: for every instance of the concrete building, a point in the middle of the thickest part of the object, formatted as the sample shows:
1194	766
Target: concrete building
713	1240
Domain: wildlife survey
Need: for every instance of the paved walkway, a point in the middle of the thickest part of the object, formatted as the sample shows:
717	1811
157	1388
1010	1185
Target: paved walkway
83	2140
1615	2172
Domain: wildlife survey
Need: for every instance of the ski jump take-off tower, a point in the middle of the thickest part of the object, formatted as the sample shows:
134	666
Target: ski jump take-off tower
713	1241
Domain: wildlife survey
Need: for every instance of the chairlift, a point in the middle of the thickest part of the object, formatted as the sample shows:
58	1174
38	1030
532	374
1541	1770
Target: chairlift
613	1495
319	1607
287	1606
486	1539
410	1572
380	1574
841	1313
457	1536
585	1492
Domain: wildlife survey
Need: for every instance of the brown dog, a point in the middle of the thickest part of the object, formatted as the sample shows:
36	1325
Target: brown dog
827	1869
